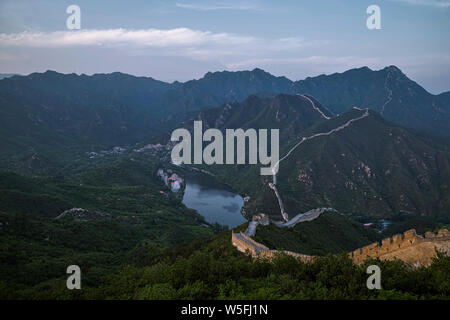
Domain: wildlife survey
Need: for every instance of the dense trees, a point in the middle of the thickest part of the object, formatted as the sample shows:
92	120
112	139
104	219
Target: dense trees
216	270
213	269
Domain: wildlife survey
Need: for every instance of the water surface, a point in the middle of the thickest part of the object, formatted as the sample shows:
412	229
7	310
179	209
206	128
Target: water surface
213	200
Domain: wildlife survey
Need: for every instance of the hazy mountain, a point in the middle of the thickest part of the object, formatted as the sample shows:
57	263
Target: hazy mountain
388	91
444	99
6	75
50	109
217	88
289	113
44	114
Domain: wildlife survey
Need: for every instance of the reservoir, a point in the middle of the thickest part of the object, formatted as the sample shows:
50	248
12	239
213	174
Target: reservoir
213	200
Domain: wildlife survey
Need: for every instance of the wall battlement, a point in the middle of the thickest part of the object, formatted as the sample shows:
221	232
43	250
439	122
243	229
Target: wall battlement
408	247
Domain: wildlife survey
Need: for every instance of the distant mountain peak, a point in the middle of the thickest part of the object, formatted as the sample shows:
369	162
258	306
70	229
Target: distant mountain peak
258	70
394	70
254	72
364	69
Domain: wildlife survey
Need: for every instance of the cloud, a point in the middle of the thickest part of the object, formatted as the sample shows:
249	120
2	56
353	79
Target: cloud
200	45
112	37
433	3
214	7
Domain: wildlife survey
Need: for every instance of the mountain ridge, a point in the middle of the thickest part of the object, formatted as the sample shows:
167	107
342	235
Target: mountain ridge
45	113
388	91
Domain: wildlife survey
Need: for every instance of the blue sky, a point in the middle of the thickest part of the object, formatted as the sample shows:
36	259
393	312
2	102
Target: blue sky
184	39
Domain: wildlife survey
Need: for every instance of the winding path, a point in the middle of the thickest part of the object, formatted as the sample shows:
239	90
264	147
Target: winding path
276	166
314	106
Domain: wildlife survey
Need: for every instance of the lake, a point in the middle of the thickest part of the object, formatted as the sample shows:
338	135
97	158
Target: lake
213	200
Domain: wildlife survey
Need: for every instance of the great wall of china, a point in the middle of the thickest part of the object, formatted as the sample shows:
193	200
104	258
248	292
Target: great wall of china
273	184
409	247
247	245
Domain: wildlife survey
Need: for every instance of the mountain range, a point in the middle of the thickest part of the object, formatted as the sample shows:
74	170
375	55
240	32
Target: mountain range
48	114
111	109
377	166
6	75
84	196
388	91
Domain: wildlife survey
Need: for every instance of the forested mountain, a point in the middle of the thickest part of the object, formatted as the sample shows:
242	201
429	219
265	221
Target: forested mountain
45	112
356	162
216	88
290	113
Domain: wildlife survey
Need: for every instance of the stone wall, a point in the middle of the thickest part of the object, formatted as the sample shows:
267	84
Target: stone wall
408	247
246	244
249	246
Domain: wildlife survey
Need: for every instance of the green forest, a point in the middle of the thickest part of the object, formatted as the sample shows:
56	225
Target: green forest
212	268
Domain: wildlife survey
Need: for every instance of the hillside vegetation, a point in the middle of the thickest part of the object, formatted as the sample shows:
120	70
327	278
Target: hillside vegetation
329	233
121	209
213	269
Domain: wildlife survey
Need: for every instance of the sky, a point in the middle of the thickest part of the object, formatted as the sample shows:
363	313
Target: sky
184	39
